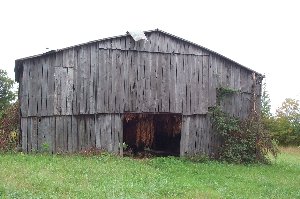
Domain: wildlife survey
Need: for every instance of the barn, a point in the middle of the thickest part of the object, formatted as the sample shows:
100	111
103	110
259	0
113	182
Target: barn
121	92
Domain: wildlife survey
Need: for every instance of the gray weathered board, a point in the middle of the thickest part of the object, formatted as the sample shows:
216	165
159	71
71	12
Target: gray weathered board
116	82
74	98
72	133
197	136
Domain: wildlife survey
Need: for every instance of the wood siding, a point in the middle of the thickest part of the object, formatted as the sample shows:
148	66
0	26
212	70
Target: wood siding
115	81
197	136
72	133
74	99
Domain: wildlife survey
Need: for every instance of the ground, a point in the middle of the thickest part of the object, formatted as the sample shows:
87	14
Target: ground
107	176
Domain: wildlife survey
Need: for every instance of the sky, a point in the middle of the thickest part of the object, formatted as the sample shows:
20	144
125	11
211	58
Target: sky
260	34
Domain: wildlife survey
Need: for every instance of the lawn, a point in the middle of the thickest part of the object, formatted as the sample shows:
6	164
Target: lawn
106	176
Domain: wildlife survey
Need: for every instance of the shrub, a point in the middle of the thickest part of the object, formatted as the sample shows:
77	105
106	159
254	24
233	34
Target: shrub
243	141
9	132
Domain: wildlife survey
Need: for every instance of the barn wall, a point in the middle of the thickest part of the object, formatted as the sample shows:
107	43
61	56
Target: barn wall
72	133
229	75
157	42
69	95
197	136
114	81
124	76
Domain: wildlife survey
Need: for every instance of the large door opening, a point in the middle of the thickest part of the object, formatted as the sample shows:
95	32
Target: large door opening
155	134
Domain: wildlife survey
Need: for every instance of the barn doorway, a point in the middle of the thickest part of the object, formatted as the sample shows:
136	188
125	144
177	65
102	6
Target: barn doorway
152	134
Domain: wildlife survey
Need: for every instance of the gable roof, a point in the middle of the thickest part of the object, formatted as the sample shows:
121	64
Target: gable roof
115	37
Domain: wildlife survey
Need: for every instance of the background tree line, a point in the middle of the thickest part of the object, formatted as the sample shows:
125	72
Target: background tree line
9	114
284	125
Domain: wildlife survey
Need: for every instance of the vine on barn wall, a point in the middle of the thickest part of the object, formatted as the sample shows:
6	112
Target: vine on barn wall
243	141
222	92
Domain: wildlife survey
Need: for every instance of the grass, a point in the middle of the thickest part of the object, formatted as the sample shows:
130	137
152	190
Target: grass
106	176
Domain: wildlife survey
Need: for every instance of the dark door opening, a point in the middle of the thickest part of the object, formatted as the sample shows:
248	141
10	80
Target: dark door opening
157	134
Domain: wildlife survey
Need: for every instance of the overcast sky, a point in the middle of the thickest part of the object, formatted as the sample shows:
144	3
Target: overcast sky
260	34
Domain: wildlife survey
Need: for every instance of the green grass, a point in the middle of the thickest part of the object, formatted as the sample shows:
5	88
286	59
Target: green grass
106	176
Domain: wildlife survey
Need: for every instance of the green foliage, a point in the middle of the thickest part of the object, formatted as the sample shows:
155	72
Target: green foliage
6	93
9	114
242	141
45	147
9	128
265	103
107	176
286	126
222	92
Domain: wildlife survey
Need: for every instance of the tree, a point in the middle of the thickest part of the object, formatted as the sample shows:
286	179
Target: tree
268	120
9	124
265	103
290	110
6	93
287	130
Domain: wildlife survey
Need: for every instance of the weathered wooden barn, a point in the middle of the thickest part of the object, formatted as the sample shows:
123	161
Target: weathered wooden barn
154	93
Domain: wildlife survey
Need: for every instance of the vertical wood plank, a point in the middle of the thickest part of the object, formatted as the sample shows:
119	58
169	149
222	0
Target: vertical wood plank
29	134
58	134
38	81
24	84
103	132
204	100
97	131
92	131
114	132
101	82
52	132
92	77
122	65
51	85
200	93
45	85
63	80
120	134
74	134
194	84
172	84
34	134
159	85
184	142
153	83
212	81
179	83
166	85
57	91
108	132
85	65
24	127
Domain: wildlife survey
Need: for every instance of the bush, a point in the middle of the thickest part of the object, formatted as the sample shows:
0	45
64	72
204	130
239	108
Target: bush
244	141
9	132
